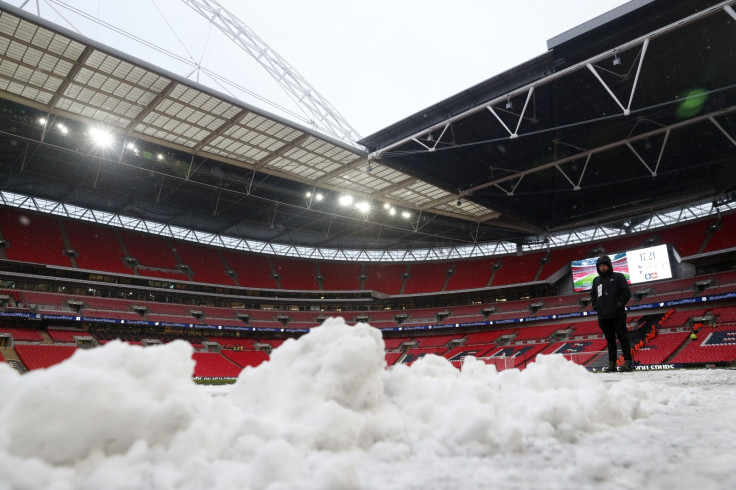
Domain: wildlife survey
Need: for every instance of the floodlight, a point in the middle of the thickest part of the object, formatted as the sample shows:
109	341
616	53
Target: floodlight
363	206
392	211
101	137
160	156
42	121
319	196
406	214
345	200
62	129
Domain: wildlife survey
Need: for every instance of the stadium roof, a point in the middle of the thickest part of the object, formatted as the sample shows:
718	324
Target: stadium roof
634	111
627	114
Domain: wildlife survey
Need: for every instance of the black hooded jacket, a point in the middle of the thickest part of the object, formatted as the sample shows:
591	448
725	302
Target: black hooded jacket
610	291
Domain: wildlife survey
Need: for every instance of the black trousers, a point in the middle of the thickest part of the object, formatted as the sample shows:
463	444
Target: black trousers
613	328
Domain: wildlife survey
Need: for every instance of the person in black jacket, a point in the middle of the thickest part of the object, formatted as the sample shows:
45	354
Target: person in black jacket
609	295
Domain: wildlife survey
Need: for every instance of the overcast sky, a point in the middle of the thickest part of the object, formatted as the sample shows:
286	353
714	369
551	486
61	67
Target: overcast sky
376	61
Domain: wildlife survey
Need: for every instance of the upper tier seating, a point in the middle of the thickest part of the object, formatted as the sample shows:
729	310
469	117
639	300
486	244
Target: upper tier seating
517	269
386	278
470	274
426	277
205	263
686	238
296	274
561	257
149	250
340	276
725	237
98	247
251	270
33	237
45	239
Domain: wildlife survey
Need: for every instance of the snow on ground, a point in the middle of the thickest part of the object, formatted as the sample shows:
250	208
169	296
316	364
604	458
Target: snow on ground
324	414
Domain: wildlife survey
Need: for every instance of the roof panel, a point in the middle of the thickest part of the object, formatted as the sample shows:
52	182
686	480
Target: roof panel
118	90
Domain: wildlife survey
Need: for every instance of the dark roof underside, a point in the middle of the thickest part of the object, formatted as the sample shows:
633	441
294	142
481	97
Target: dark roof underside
576	158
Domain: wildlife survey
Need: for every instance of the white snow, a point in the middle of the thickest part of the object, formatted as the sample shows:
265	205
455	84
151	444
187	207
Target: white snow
324	413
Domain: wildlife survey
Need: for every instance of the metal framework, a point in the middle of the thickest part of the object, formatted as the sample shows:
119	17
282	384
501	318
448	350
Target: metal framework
322	114
489	249
428	142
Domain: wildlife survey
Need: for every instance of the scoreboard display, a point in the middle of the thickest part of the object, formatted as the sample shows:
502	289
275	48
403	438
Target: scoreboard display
639	266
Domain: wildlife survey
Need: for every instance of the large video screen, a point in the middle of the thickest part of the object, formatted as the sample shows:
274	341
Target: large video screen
642	265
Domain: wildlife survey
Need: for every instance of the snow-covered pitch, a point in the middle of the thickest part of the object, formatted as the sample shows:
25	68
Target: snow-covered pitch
324	413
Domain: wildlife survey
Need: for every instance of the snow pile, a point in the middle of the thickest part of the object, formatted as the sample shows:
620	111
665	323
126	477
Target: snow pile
323	413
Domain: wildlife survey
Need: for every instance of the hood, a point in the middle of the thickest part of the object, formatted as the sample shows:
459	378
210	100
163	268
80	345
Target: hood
604	259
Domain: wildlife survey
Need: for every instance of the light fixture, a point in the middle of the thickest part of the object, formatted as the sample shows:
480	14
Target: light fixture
160	156
405	214
345	200
509	105
616	59
42	121
430	138
319	196
363	206
392	211
62	129
459	201
101	137
368	167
